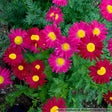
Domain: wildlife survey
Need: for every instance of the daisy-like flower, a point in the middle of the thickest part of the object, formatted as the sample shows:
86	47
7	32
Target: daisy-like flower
110	46
98	29
90	46
59	63
17	39
66	47
35	39
108	97
53	105
36	79
60	2
21	70
52	35
106	9
78	31
101	71
13	56
4	78
54	14
38	66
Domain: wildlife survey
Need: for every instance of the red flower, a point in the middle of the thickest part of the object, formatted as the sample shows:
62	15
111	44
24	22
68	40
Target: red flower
90	46
101	71
13	56
38	66
53	105
21	70
108	97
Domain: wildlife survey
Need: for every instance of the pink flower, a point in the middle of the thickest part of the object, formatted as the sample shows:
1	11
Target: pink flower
60	2
54	14
78	31
17	39
106	9
66	48
59	63
98	29
4	77
110	46
52	35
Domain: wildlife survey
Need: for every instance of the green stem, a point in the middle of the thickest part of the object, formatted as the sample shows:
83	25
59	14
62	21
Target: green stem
6	9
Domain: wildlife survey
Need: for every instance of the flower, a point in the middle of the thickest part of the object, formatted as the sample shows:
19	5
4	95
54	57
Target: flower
66	48
98	29
38	66
101	71
4	78
90	46
17	39
60	2
21	70
106	9
59	63
53	105
35	79
54	14
108	97
52	35
35	39
78	31
13	56
110	46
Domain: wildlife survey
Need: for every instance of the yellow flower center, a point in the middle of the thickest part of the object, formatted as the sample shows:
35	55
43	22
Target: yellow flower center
52	36
101	71
65	46
35	37
110	98
37	67
52	14
18	40
81	34
109	8
56	16
60	61
54	109
12	56
90	47
96	31
1	79
20	67
35	78
35	44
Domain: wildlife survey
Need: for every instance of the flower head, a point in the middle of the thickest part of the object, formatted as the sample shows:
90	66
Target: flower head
38	66
108	97
90	46
54	14
21	70
98	29
17	39
4	77
53	105
52	35
13	56
106	9
60	2
35	39
66	48
59	63
35	79
78	31
101	71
